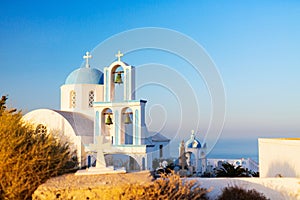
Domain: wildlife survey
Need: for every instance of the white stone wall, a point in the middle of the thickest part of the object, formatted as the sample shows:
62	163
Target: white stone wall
56	123
279	157
82	97
272	188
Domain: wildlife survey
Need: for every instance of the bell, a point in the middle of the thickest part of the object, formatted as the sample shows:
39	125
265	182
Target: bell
127	119
108	120
119	78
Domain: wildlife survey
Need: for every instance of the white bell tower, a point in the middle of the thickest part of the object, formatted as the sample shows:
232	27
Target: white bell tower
119	71
121	120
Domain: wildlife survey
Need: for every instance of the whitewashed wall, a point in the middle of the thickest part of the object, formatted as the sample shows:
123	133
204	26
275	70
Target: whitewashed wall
55	122
272	188
82	97
279	157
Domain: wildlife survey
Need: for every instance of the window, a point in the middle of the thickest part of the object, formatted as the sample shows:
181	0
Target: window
91	98
161	151
41	129
72	99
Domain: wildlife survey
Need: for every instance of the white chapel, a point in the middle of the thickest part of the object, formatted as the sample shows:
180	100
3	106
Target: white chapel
94	104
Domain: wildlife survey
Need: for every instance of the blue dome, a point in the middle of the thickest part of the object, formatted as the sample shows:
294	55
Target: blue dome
85	76
193	142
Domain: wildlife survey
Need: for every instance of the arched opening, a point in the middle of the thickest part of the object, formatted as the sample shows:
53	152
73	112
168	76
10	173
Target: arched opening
122	160
107	120
127	125
191	158
117	83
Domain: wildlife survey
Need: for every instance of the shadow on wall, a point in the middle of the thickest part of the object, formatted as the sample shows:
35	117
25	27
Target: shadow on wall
122	160
278	169
218	184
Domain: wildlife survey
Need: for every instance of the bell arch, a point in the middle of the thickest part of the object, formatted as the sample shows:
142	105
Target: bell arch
107	119
116	83
121	76
127	125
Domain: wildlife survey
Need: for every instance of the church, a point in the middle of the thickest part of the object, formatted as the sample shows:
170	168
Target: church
192	155
94	104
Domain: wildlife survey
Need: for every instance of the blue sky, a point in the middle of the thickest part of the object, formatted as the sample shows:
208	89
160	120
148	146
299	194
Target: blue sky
254	44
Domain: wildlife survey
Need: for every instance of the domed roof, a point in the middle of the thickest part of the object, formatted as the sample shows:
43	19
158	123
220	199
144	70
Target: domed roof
193	142
85	76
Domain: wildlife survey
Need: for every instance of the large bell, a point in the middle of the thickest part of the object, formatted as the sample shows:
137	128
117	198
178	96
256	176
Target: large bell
127	119
118	78
108	120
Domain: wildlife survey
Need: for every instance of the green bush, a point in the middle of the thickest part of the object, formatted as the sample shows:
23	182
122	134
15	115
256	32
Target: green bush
229	170
237	193
28	159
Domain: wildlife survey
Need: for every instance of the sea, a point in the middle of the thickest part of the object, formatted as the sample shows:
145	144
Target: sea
228	148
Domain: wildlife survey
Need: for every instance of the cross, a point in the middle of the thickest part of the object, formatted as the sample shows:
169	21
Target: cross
87	56
193	132
99	147
119	55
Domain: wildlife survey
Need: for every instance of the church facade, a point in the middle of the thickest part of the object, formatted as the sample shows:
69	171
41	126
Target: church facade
95	103
192	155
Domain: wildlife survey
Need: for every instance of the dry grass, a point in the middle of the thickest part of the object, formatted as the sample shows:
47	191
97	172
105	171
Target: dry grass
167	187
27	159
119	187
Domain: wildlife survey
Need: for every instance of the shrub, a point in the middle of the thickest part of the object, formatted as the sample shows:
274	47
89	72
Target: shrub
229	170
169	186
237	193
28	159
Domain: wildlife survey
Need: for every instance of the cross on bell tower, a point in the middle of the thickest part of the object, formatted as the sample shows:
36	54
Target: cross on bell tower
87	56
119	55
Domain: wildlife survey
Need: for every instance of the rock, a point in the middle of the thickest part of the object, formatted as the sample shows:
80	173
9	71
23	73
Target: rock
88	186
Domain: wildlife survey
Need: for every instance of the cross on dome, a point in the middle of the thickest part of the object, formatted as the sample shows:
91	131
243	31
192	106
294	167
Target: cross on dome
87	56
119	55
193	134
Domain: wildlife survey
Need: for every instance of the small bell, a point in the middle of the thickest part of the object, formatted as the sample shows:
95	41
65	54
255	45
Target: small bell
127	119
108	120
118	78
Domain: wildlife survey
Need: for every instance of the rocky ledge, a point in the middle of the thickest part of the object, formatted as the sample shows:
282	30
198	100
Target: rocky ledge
86	187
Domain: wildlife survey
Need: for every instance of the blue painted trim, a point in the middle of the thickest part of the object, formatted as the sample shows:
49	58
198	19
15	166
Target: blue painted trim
97	124
116	124
127	84
105	102
129	145
136	127
106	85
85	76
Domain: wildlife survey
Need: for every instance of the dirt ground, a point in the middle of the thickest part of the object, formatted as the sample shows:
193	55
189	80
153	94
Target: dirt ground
71	186
75	181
